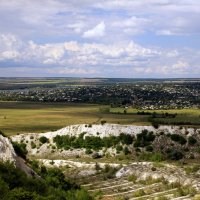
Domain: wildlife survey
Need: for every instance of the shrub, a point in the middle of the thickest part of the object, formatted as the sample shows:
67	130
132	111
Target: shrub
139	193
43	139
19	193
153	169
20	149
126	151
33	145
175	155
109	172
132	178
191	156
192	169
82	195
88	151
149	148
34	165
15	184
144	139
103	122
96	155
178	138
126	138
155	124
191	140
91	142
119	148
4	188
52	162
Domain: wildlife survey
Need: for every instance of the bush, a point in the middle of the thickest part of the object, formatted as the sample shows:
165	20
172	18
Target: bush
103	122
191	140
126	138
88	151
96	155
4	188
119	148
126	151
15	185
22	194
192	169
155	124
33	145
91	142
139	193
178	138
144	139
43	139
149	148
109	172
175	155
20	149
132	178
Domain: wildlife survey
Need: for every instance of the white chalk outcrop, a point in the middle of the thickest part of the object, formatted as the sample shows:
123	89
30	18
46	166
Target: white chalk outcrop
105	130
94	130
7	152
74	164
169	172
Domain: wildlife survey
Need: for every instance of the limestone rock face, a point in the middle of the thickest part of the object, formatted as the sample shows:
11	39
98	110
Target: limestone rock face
97	130
104	131
7	152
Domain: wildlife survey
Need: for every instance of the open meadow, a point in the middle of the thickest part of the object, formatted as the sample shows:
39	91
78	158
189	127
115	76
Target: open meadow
22	117
183	117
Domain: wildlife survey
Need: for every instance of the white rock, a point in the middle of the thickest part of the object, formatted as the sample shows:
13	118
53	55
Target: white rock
7	152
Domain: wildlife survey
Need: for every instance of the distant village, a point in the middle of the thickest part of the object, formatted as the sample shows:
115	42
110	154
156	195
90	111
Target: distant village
158	95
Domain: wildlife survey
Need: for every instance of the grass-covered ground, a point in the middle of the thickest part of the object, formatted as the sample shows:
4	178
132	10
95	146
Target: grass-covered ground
20	117
183	117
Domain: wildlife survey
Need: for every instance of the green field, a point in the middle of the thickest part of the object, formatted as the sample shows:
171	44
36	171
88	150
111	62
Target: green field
23	117
187	116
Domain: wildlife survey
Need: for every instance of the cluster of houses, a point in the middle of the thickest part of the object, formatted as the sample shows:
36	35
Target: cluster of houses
149	95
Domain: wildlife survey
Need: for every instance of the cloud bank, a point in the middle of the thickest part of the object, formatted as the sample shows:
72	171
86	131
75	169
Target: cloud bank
114	38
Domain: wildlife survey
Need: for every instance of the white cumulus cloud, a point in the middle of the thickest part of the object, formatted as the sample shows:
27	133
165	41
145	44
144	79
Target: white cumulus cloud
97	59
97	31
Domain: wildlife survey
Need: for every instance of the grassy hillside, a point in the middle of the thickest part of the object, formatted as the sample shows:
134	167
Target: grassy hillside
15	185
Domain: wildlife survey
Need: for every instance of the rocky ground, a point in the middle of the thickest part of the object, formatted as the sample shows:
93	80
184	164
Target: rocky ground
132	180
145	181
90	130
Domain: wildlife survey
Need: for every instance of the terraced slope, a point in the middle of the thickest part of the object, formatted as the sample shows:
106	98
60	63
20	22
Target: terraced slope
115	189
144	181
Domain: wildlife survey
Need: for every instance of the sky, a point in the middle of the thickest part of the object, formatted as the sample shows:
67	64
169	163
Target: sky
100	38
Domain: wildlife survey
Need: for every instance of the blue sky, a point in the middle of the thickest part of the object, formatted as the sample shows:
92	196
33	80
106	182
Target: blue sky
90	38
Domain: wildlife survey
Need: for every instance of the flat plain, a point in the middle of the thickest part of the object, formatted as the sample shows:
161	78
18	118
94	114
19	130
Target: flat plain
23	117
